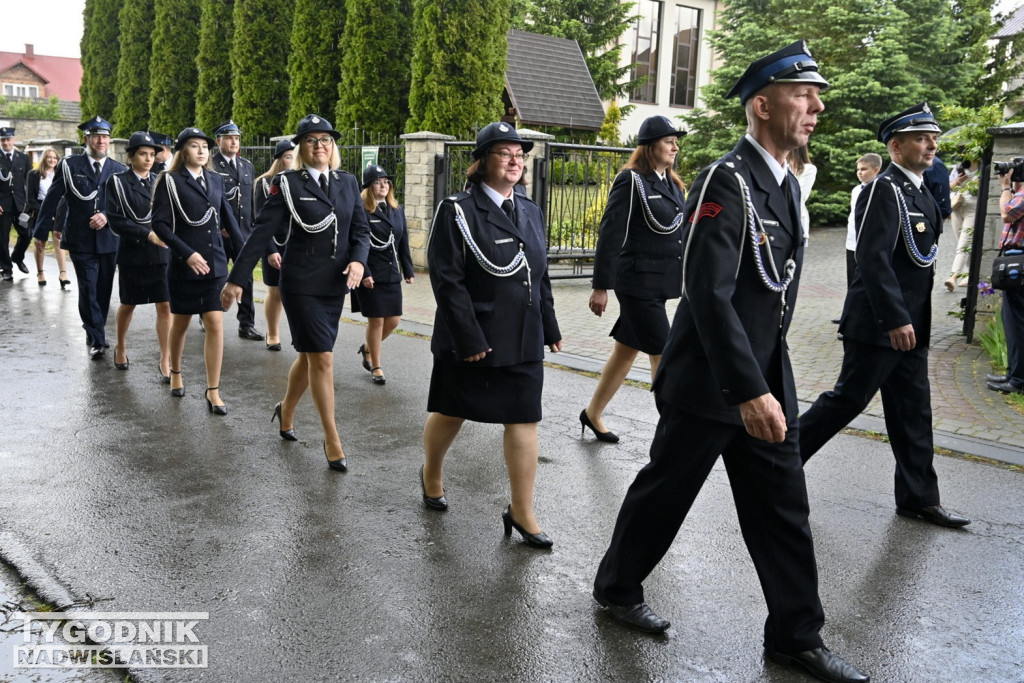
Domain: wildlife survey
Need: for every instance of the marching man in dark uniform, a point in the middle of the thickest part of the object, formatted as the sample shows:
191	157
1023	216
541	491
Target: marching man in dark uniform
81	181
163	154
14	168
238	175
887	318
725	385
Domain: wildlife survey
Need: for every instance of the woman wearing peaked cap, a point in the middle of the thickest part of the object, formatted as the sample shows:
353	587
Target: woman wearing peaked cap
380	299
639	255
141	255
190	210
495	314
324	257
284	157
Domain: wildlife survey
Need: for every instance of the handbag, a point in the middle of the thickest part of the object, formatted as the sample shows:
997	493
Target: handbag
1008	269
957	201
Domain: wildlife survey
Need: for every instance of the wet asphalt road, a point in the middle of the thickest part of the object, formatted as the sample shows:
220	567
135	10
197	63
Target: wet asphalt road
111	487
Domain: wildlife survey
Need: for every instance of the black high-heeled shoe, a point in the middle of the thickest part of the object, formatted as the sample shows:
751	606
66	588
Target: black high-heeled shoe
379	379
366	357
216	410
538	540
124	365
63	279
439	503
286	434
180	391
585	422
339	465
41	278
165	379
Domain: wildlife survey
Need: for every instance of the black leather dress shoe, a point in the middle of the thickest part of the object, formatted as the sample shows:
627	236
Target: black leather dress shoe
96	352
21	266
996	378
934	514
8	277
823	665
249	333
639	616
1006	387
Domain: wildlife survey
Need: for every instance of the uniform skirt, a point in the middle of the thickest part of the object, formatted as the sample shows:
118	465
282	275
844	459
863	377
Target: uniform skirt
189	297
383	301
642	324
503	395
142	284
313	320
271	275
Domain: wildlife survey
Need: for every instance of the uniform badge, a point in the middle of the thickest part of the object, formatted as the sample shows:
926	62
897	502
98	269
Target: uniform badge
708	209
762	238
919	227
274	189
503	128
315	119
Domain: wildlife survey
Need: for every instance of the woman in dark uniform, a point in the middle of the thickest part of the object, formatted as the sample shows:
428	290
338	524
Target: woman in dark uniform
380	299
495	313
284	157
141	256
324	257
190	211
639	254
36	185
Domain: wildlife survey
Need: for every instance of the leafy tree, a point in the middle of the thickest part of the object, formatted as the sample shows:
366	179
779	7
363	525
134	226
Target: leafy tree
216	31
100	54
259	74
610	132
375	66
132	85
173	77
595	24
314	69
458	64
31	109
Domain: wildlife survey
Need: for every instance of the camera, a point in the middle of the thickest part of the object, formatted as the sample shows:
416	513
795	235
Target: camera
1016	167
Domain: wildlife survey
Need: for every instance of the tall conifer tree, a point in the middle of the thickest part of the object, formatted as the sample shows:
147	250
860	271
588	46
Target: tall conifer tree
259	68
458	65
101	52
173	78
375	67
314	69
216	30
132	88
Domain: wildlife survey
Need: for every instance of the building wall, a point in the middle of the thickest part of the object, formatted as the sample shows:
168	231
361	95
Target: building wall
20	75
665	53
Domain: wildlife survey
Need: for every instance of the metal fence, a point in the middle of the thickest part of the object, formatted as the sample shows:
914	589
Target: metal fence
390	155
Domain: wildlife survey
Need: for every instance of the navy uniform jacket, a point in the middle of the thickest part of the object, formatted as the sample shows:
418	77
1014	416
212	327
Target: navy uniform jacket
184	239
631	258
477	310
77	235
382	264
12	191
241	177
727	344
890	290
261	193
134	247
311	264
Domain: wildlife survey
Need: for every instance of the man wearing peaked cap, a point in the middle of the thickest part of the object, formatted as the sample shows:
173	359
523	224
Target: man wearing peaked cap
887	318
163	154
239	176
725	386
81	179
14	168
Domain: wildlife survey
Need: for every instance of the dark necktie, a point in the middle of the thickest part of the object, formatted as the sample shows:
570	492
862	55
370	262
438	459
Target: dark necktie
10	158
231	165
509	210
96	169
323	183
145	183
202	182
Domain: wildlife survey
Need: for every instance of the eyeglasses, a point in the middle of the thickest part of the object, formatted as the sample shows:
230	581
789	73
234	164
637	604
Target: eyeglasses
509	156
313	142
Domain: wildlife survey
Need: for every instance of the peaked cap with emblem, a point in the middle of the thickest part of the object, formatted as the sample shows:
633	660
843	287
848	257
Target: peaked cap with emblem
96	125
229	127
141	138
311	123
791	64
374	172
494	133
161	138
6	133
917	118
189	133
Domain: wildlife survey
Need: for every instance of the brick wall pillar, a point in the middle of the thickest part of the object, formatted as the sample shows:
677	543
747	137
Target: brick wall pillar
421	149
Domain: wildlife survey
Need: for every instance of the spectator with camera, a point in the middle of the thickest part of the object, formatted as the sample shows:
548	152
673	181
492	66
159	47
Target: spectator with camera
1011	208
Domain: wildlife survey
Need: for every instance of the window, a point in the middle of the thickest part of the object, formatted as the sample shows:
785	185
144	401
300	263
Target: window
683	91
20	90
645	51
